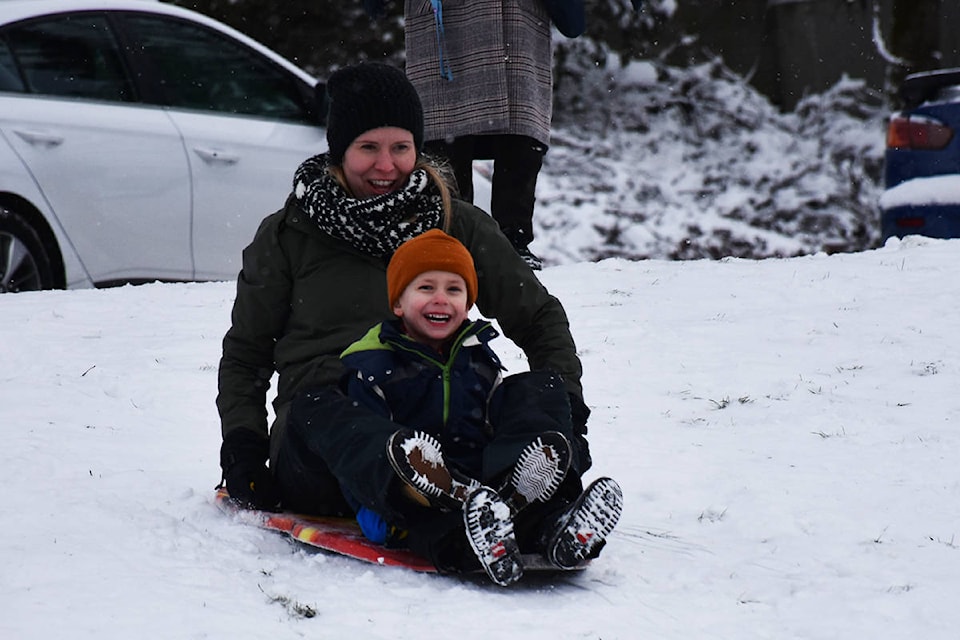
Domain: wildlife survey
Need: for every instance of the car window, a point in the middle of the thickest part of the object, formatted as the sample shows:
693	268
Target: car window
9	76
201	69
75	56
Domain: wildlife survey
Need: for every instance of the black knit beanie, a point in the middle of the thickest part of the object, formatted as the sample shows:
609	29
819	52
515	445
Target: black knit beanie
367	96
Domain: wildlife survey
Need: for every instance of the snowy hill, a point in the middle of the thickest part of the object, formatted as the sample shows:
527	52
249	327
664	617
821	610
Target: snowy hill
785	432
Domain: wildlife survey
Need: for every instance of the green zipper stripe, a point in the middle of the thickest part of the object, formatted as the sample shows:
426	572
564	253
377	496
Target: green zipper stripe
444	367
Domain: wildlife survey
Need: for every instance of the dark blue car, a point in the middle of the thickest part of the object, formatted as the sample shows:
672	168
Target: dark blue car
922	164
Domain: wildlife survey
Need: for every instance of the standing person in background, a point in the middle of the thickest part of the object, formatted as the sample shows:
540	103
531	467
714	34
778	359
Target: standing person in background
484	72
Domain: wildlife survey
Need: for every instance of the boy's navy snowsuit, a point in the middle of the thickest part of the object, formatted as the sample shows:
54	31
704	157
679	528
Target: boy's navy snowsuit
414	386
482	423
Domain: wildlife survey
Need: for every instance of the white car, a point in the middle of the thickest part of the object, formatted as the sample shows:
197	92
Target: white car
140	141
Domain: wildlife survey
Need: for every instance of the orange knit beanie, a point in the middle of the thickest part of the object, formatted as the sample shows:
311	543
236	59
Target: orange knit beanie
430	251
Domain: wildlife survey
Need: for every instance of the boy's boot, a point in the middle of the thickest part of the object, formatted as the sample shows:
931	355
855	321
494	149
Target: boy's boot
417	459
538	472
489	528
581	531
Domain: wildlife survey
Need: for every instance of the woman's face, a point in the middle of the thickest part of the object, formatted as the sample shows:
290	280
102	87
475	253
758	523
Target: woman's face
379	161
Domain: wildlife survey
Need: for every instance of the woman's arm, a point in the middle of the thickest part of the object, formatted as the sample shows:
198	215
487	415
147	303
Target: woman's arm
258	317
511	293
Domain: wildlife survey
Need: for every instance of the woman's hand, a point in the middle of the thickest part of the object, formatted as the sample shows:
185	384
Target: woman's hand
243	457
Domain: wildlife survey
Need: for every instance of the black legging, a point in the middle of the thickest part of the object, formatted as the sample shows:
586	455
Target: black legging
516	164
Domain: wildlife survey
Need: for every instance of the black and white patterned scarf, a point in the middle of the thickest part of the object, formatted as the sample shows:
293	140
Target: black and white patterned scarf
375	226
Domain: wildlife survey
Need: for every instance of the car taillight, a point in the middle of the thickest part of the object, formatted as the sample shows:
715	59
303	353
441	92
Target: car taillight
911	222
915	132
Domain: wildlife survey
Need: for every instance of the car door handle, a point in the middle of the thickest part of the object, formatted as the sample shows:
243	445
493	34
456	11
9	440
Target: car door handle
39	138
216	156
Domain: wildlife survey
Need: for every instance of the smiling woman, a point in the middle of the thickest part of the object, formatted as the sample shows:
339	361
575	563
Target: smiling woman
378	160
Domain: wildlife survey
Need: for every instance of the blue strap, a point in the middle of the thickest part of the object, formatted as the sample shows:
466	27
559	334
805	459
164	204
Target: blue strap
445	71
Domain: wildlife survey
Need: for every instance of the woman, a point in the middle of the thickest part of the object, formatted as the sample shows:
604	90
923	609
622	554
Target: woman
313	281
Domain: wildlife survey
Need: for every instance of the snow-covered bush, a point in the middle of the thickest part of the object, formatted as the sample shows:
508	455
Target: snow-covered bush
653	161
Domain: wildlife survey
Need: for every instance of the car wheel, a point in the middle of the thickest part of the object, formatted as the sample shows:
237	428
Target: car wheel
24	263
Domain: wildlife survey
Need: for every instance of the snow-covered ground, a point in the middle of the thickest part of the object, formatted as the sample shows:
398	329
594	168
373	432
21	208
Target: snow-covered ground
785	432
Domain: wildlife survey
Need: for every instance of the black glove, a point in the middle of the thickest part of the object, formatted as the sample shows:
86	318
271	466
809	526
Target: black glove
243	456
579	412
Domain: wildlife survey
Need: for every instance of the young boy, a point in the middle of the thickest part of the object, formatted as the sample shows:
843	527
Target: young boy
433	371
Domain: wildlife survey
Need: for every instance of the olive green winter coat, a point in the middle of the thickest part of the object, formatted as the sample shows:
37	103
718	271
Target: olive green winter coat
303	297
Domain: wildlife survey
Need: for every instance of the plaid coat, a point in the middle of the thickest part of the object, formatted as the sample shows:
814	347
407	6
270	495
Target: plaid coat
500	55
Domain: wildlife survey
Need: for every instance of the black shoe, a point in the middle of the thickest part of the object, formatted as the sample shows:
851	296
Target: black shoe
533	261
489	527
582	530
538	472
417	459
520	240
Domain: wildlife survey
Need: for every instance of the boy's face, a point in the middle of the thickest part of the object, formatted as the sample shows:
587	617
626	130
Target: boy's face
433	306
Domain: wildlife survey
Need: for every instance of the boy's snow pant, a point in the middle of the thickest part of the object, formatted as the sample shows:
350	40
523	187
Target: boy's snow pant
333	445
524	406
